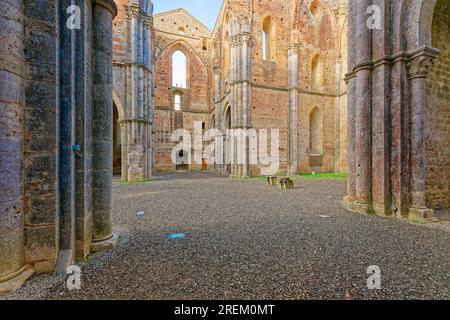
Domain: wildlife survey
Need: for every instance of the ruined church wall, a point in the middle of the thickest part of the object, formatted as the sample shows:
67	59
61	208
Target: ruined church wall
438	114
177	30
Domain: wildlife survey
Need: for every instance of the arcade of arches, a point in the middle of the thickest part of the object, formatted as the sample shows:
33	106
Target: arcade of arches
374	103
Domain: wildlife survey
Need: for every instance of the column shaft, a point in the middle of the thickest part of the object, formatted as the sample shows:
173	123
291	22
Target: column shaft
12	270
293	105
363	150
102	123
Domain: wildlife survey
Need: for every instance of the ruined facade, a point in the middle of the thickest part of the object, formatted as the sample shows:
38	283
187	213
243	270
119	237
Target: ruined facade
266	64
68	115
55	134
398	108
182	42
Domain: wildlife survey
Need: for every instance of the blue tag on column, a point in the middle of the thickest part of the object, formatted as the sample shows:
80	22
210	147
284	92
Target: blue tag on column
177	236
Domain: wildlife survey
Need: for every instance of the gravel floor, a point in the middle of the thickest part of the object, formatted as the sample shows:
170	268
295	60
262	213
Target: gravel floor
246	240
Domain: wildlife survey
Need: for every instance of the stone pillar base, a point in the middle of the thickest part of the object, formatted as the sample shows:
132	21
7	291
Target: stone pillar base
16	280
382	210
104	245
422	214
358	206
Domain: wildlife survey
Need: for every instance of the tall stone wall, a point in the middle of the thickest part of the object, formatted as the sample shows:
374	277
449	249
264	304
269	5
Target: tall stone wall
176	31
282	94
391	125
47	154
438	113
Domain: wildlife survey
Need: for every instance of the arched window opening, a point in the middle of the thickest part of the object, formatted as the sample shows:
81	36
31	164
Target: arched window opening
317	72
315	9
264	45
268	39
315	132
179	70
117	142
181	30
177	102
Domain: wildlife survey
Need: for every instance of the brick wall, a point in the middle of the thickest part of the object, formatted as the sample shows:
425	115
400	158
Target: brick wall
438	114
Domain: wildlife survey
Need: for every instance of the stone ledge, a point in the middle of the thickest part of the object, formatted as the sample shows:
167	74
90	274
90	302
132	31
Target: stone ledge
422	214
12	284
105	244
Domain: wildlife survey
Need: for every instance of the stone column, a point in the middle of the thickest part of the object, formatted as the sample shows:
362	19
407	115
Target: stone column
148	91
418	67
293	108
363	150
218	168
381	200
247	42
350	79
234	60
13	272
241	43
103	13
337	121
139	88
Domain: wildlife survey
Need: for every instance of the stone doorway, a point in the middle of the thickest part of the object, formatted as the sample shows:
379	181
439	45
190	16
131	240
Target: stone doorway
117	143
182	158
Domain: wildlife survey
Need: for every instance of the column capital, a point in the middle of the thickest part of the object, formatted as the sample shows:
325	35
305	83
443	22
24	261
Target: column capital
420	61
234	41
148	21
247	38
216	70
133	11
293	49
108	4
241	39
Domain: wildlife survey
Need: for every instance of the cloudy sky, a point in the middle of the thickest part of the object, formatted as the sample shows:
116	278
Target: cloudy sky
204	10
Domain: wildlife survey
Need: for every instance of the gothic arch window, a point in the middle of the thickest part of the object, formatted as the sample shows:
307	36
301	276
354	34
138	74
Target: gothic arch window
179	70
315	132
316	72
268	39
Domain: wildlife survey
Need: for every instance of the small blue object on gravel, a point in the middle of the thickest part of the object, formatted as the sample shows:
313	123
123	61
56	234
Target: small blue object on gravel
140	213
177	236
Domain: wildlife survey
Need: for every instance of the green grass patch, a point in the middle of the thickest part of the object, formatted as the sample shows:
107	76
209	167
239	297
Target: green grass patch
310	176
121	182
320	176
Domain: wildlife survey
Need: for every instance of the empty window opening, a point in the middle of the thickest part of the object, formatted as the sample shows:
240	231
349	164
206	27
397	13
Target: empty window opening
179	70
177	102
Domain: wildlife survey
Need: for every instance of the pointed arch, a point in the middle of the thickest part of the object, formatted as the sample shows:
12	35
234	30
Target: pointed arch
183	46
118	104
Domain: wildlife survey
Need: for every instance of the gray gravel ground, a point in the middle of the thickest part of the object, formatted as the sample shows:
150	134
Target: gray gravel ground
246	240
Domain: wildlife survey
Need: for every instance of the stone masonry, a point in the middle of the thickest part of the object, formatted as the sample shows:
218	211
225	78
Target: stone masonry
55	134
398	112
77	101
133	87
